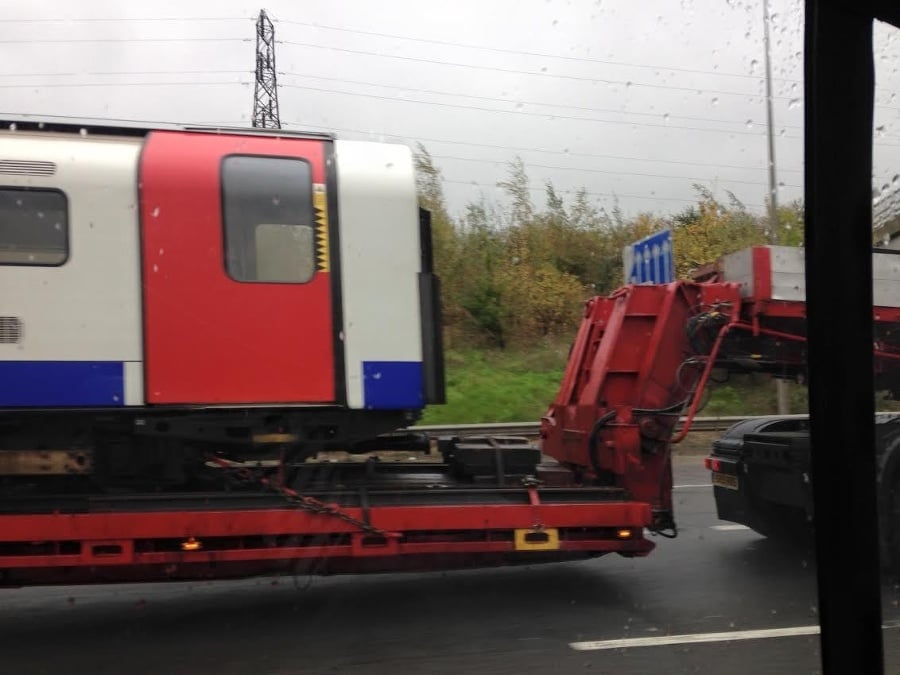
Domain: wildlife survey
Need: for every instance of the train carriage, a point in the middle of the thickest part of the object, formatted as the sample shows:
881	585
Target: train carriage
166	291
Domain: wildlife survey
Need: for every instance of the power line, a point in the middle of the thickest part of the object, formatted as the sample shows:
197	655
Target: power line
55	85
129	19
663	116
626	83
438	92
61	85
130	73
527	113
469	182
96	40
89	119
616	172
500	50
542	73
506	148
567	153
394	36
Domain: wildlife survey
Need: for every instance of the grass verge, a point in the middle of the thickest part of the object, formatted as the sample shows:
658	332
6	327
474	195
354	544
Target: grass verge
517	386
499	386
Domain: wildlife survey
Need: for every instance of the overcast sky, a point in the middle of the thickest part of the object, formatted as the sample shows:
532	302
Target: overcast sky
634	99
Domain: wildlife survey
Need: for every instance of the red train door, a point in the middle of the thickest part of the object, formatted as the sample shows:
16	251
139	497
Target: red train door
237	290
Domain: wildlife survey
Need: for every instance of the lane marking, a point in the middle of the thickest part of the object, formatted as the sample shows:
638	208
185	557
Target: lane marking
698	485
728	636
728	528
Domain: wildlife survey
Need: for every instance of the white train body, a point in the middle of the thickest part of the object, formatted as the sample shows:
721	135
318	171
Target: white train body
161	271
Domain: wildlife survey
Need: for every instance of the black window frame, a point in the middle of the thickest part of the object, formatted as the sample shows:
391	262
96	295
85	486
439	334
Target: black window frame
839	88
224	217
66	226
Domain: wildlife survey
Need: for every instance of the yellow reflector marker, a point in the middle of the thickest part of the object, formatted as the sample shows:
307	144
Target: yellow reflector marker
546	539
191	545
275	438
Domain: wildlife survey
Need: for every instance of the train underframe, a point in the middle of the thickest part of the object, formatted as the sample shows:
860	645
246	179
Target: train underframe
179	495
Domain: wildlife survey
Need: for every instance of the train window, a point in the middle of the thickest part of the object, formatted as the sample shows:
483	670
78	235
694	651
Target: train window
284	252
268	219
33	227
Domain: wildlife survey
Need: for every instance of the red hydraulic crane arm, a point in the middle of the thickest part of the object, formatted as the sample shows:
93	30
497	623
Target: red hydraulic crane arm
640	357
644	355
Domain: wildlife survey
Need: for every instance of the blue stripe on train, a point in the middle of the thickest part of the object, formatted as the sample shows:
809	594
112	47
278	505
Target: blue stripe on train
393	385
62	383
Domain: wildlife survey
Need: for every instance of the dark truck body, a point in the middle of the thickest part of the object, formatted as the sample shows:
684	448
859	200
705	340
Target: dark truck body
760	471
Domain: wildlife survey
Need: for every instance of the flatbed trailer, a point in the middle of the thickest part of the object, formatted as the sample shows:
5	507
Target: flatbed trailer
194	318
352	517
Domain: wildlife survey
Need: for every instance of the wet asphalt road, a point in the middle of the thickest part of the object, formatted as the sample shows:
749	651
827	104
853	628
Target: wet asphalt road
512	620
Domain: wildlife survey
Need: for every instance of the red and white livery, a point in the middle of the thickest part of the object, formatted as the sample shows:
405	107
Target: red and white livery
211	285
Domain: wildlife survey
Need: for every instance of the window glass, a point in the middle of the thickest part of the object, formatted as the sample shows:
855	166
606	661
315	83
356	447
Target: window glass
268	216
33	227
284	253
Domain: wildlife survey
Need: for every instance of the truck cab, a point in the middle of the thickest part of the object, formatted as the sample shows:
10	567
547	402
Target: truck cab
760	470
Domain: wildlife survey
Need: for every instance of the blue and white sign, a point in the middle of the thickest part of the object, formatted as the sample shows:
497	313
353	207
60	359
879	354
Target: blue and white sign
650	260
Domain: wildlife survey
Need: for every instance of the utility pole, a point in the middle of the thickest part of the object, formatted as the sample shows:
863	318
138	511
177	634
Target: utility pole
781	386
265	94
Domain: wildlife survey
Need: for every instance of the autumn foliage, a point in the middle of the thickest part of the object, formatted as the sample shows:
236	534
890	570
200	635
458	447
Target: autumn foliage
520	273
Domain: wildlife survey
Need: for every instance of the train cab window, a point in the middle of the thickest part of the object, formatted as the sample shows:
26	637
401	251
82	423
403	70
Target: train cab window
33	227
268	218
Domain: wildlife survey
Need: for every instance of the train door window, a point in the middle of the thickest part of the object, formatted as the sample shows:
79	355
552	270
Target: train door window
33	227
268	219
284	252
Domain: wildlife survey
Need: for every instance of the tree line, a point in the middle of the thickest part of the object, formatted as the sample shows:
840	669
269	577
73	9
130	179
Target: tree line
517	274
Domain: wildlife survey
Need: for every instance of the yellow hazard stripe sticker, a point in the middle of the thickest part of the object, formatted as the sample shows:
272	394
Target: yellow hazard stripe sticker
320	206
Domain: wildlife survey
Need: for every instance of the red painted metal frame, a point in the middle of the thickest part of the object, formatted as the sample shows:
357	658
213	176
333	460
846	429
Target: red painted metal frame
624	365
612	416
762	272
624	368
127	540
235	523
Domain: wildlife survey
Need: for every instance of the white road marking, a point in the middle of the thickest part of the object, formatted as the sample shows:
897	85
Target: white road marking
699	485
728	636
728	528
